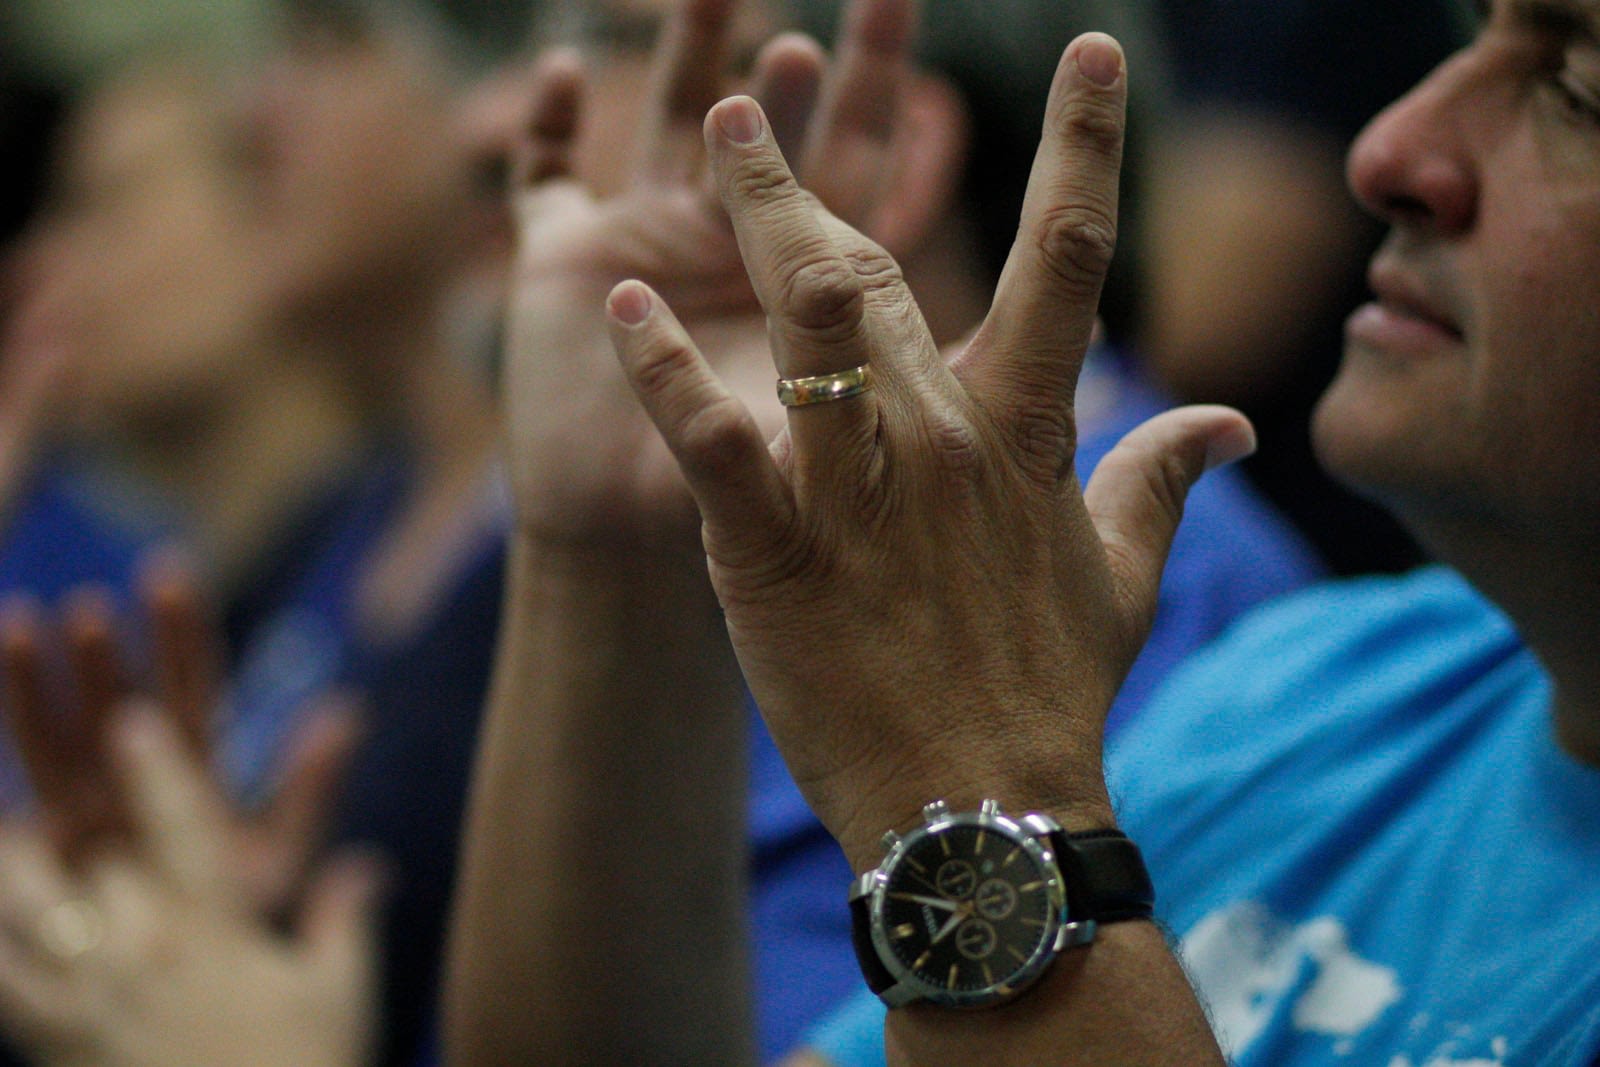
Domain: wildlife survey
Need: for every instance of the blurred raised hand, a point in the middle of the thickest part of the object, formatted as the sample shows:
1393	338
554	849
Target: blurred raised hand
585	463
62	684
151	951
612	647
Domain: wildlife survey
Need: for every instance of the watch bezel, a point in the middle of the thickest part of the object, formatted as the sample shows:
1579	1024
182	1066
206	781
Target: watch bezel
1032	834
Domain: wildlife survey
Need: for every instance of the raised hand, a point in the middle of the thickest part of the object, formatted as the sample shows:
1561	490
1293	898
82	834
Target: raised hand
59	727
585	463
152	951
924	603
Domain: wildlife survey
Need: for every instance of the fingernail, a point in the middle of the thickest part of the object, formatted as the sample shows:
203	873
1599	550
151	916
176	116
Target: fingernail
629	303
740	120
1100	60
1231	446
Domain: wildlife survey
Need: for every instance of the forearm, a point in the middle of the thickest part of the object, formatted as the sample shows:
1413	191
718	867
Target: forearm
599	914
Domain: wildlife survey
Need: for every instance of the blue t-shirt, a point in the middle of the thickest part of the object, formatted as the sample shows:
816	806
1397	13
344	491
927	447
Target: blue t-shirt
1366	837
55	539
1231	553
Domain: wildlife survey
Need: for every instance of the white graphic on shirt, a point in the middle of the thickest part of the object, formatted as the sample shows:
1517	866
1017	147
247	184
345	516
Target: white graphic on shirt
1245	961
1443	1058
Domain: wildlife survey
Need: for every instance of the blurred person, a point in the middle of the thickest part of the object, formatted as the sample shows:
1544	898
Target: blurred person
132	889
1252	248
79	947
51	537
301	398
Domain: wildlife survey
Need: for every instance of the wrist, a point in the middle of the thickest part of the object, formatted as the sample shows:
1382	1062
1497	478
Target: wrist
1075	809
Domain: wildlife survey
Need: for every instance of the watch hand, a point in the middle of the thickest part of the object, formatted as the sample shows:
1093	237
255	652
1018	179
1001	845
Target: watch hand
961	915
932	902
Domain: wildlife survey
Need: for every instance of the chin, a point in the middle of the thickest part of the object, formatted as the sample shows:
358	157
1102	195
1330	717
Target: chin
1376	427
1355	435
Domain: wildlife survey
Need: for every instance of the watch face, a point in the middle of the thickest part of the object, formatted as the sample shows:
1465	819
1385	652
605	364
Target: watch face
968	910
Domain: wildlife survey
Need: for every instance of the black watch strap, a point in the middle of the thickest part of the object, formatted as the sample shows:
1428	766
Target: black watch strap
872	967
1105	875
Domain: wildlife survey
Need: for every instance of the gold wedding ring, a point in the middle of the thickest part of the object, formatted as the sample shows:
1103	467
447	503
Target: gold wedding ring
70	929
797	392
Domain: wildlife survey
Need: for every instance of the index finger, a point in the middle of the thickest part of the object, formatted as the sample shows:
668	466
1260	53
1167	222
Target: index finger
1044	308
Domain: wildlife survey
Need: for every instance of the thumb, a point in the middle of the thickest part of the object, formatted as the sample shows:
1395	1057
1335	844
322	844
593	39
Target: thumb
340	921
1137	493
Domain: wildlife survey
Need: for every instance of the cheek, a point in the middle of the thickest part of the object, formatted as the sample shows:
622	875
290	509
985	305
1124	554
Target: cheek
1537	380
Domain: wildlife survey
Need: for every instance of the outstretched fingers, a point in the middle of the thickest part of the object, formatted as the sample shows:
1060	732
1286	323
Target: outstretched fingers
179	815
286	838
185	648
1025	359
50	748
339	924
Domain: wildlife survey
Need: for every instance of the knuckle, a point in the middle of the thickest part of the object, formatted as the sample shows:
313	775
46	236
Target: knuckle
875	268
1076	243
823	295
1167	479
956	448
713	435
658	363
760	179
1094	124
1046	441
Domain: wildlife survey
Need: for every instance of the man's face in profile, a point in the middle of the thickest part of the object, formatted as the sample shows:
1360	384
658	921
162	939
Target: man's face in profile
1470	388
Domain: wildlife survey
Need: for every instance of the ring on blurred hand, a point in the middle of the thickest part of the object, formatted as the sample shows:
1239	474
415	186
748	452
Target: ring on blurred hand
797	392
70	929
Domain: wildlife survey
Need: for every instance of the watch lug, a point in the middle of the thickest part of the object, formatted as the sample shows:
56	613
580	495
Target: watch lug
865	884
1038	824
889	840
1078	933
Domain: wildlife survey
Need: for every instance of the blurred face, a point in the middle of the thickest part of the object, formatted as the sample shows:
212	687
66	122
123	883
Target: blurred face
1469	396
369	170
138	275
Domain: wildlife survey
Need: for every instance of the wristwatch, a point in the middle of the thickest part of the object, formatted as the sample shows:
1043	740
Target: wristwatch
969	909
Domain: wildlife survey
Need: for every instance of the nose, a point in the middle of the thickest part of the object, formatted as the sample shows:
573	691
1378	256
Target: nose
1413	164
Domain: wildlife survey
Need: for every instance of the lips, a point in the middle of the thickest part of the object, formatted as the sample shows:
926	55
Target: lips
1406	317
